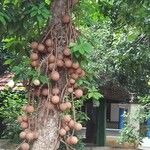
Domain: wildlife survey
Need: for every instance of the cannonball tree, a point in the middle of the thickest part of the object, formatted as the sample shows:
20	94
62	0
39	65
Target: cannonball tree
49	117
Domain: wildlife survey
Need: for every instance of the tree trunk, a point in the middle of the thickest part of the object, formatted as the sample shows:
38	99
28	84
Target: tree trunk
48	133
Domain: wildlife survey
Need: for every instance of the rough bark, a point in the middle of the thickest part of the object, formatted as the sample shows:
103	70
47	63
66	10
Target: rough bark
48	132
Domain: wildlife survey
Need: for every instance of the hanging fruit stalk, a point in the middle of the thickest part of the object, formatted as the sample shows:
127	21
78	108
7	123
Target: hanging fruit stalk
46	122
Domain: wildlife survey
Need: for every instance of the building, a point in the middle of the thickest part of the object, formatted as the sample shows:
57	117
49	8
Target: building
107	118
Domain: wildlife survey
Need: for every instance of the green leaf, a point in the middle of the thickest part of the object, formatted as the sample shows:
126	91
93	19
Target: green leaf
90	95
40	19
8	61
47	2
39	12
34	8
43	79
2	20
6	16
47	12
33	13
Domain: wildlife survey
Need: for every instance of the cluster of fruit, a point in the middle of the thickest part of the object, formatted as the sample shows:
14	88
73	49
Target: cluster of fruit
55	62
67	124
27	134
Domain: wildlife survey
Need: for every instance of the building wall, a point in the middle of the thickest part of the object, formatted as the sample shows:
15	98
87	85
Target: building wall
114	115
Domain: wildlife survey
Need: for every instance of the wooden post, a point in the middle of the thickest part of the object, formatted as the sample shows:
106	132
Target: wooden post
101	124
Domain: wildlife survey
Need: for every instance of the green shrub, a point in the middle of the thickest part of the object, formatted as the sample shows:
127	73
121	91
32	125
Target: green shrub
134	126
11	103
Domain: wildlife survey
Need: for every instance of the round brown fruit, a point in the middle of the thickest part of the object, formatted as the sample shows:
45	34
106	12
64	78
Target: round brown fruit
68	63
68	104
34	56
66	128
34	45
45	91
66	118
75	86
49	42
71	71
30	136
55	76
24	146
60	56
79	71
78	93
67	51
26	131
60	63
55	99
62	132
22	135
82	74
24	125
25	118
73	140
70	90
71	123
75	65
68	140
66	19
30	109
35	63
78	126
51	66
72	81
63	107
51	59
74	76
49	49
41	47
69	85
19	119
55	91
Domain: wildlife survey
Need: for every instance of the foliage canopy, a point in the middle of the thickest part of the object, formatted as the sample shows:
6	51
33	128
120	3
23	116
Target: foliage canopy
118	31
